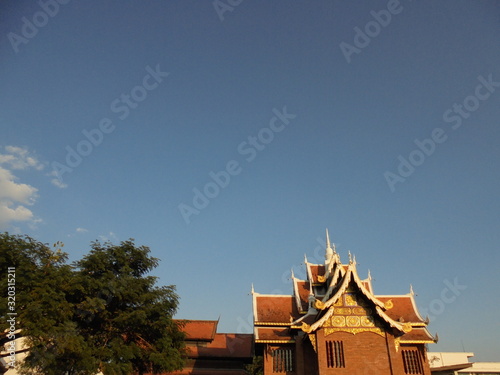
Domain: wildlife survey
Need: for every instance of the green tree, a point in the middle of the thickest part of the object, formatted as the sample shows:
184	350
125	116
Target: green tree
103	313
126	317
257	366
43	282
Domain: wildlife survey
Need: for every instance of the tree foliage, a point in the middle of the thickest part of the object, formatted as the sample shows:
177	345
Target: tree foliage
102	313
256	367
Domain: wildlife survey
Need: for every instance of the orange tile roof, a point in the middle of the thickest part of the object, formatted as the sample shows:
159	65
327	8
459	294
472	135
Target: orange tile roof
367	285
225	345
315	271
418	334
303	289
276	309
273	333
403	309
200	330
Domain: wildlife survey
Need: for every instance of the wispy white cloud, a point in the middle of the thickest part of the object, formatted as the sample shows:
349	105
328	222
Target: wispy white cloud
56	181
81	230
14	195
110	237
20	158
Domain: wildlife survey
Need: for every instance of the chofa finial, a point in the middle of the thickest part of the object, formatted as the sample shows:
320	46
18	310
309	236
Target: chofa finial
329	250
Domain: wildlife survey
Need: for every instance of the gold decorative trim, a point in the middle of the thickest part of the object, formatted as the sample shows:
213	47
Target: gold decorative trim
378	331
321	279
361	311
388	304
353	321
271	324
417	341
407	327
343	310
319	305
397	342
306	327
418	324
350	299
275	341
312	338
339	302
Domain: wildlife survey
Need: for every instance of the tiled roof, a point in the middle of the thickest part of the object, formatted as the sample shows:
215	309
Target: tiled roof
273	334
226	345
367	285
315	271
418	334
200	330
403	309
303	289
275	309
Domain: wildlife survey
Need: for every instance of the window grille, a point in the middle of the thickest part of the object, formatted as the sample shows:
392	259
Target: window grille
335	354
412	362
283	360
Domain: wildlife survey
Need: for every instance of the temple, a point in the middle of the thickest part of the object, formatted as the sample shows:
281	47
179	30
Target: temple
333	323
210	353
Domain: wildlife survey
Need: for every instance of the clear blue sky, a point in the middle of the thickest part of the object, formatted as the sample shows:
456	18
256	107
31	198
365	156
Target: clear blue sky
313	110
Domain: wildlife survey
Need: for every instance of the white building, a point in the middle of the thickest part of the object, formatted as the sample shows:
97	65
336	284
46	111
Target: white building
449	363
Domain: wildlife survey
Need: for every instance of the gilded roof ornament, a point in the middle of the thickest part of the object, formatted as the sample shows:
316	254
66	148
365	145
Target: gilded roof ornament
305	327
320	305
389	304
407	327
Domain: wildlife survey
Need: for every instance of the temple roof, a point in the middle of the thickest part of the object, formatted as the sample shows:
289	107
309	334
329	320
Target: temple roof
418	335
200	330
315	270
404	309
274	309
301	291
273	335
226	345
319	297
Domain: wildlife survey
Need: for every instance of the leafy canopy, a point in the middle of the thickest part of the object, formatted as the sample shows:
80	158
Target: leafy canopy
102	313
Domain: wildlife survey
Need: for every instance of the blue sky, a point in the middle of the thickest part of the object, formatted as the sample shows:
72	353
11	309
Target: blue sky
378	120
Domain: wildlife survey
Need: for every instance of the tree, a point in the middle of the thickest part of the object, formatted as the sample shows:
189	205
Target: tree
42	285
127	318
103	313
257	366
